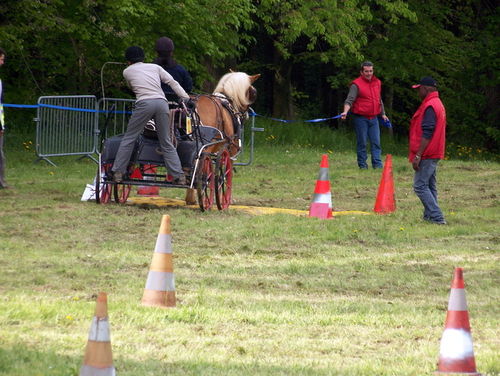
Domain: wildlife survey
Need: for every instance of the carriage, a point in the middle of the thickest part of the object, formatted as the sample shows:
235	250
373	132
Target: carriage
207	139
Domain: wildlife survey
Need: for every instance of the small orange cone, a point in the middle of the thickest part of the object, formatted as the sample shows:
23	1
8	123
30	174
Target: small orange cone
98	358
456	355
321	206
148	190
385	202
160	285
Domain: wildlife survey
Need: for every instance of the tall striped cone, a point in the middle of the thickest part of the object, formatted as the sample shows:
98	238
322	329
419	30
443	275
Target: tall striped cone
321	206
98	360
456	355
148	190
160	285
385	202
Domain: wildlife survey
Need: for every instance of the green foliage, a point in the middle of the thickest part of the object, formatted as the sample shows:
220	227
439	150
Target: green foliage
308	51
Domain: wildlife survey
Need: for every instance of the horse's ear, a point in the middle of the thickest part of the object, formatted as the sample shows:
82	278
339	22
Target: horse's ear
231	71
254	78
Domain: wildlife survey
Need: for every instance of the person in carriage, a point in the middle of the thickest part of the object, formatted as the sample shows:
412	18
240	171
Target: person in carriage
164	47
145	81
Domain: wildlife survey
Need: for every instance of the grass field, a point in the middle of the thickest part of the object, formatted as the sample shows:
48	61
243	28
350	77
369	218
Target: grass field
257	295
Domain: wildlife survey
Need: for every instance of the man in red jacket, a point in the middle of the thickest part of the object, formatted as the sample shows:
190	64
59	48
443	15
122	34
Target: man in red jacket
366	105
427	147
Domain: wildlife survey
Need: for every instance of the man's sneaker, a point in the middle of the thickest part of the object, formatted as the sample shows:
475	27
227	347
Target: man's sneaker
117	176
441	222
180	180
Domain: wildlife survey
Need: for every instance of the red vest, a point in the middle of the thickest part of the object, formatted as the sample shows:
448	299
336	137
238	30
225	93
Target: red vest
367	102
435	149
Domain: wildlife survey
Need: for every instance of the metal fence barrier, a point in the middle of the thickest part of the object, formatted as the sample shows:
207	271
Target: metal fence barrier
65	126
112	116
76	124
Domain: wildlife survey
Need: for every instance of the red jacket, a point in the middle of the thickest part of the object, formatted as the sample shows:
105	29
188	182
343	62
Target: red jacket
435	149
367	102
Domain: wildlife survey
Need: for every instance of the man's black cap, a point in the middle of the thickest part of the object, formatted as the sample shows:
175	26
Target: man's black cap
134	54
426	81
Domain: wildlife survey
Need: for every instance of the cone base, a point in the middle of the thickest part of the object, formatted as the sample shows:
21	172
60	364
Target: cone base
443	373
320	210
164	299
92	371
98	354
148	191
465	366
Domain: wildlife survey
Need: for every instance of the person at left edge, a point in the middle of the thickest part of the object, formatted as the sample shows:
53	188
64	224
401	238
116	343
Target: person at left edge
3	184
145	81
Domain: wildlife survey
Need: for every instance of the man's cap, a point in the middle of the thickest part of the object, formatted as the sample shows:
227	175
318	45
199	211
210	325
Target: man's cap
426	81
134	54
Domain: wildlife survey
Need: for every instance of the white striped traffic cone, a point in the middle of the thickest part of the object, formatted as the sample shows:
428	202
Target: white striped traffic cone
456	355
148	190
98	360
160	285
321	206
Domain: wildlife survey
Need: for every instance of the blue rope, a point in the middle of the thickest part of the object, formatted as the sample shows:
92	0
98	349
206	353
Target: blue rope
63	108
294	121
385	123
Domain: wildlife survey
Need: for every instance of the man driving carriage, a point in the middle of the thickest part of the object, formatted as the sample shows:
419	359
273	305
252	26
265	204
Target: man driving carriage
145	81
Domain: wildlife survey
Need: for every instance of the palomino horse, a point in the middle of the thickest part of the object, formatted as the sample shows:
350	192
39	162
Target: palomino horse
226	108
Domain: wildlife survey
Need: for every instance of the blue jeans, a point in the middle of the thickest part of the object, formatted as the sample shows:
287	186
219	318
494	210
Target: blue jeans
424	185
367	129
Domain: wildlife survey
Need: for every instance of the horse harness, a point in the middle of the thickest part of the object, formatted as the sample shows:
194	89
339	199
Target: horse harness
223	101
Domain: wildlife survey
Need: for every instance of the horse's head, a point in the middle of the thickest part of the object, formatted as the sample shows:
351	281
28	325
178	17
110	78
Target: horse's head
238	87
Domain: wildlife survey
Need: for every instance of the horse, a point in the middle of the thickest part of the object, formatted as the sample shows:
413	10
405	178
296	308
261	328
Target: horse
226	108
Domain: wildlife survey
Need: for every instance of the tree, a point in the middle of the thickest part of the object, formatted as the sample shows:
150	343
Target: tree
331	32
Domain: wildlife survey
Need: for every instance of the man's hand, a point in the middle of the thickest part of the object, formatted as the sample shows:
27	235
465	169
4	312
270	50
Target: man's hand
386	119
1	133
343	115
189	103
416	162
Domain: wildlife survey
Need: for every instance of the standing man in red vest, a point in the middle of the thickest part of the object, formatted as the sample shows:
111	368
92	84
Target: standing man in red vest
426	147
366	105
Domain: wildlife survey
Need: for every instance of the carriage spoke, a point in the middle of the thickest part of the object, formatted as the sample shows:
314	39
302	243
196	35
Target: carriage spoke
102	187
223	179
205	183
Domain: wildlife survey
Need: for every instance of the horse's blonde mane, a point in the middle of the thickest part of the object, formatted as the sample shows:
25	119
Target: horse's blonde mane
235	85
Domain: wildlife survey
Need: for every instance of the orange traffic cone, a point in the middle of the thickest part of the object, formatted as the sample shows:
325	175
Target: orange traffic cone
385	202
456	355
160	285
321	206
148	190
98	358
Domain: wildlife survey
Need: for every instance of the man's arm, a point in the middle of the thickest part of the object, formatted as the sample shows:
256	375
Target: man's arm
428	126
351	97
174	85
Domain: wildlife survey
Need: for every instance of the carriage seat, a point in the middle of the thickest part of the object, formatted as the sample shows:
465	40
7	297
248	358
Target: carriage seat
147	151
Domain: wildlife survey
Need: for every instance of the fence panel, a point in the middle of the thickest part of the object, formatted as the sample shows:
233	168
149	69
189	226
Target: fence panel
113	116
66	126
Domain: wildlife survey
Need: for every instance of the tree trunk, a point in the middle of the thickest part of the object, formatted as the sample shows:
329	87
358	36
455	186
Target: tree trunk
282	87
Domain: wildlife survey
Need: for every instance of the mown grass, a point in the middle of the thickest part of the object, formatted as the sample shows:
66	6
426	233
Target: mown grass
257	295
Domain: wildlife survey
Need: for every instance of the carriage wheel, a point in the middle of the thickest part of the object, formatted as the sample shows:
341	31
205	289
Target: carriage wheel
223	179
102	188
205	182
121	192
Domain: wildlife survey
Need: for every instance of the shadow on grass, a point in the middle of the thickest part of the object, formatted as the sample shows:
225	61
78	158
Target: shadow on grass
23	360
